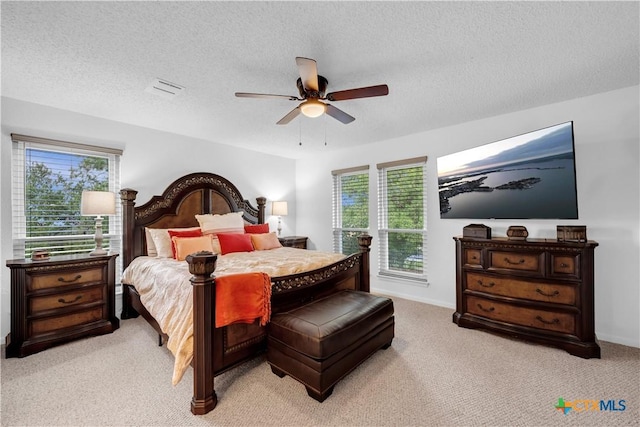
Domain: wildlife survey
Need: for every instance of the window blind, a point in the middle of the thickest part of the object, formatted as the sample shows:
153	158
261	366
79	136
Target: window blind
402	227
48	178
350	208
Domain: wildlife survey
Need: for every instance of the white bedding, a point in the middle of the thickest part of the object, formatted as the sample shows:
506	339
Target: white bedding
165	290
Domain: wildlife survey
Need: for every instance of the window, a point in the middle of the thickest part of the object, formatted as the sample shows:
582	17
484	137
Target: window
47	181
402	218
350	208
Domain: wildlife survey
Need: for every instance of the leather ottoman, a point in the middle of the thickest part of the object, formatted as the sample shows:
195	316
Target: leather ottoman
318	344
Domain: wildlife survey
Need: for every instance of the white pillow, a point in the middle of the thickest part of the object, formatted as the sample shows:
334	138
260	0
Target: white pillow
159	242
225	223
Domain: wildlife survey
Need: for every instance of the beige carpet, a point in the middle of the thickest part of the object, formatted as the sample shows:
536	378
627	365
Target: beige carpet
434	374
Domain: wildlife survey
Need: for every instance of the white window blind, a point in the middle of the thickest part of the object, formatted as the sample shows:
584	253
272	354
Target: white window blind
48	177
350	208
402	226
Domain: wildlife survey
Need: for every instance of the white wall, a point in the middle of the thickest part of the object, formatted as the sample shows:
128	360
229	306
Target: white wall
607	140
151	160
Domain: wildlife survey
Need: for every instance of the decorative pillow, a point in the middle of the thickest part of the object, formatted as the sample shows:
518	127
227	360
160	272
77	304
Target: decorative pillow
225	223
190	245
256	229
235	243
265	241
159	243
182	233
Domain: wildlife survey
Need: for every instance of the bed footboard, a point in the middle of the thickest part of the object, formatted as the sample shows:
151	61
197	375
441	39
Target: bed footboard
288	292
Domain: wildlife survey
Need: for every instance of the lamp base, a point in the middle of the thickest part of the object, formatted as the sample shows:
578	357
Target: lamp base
99	252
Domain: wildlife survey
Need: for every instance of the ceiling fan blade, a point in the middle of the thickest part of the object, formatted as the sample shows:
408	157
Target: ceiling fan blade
363	92
308	73
266	95
339	115
290	116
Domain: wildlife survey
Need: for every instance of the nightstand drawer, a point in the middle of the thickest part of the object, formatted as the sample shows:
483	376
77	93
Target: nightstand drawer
65	278
66	299
522	289
50	324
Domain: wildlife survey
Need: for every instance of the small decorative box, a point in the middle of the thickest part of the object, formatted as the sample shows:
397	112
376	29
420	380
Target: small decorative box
517	232
572	233
477	231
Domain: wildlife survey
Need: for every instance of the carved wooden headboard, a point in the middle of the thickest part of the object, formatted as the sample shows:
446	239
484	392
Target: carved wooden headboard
196	193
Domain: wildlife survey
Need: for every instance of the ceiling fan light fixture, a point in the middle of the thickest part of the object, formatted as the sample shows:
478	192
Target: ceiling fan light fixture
312	108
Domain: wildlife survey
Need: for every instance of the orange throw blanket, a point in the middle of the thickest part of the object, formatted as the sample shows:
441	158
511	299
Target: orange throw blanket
243	298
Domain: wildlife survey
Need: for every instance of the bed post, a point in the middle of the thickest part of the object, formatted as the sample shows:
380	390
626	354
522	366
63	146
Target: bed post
364	241
202	265
262	201
128	198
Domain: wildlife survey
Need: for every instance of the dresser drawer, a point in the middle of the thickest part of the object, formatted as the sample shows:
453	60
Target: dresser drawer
473	257
531	317
565	265
522	289
65	278
517	261
66	299
55	323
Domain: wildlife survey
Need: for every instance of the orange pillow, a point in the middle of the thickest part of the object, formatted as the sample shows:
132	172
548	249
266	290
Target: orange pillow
182	233
256	229
265	241
190	245
235	243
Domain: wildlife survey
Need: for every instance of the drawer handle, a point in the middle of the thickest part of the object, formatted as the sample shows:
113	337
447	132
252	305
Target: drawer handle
490	285
508	261
61	300
62	279
546	322
488	310
554	294
564	265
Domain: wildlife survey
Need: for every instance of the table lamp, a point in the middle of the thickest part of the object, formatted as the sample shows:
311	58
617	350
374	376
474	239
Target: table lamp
98	203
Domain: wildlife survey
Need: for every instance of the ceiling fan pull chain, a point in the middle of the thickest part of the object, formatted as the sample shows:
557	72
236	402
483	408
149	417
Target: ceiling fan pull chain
300	132
325	130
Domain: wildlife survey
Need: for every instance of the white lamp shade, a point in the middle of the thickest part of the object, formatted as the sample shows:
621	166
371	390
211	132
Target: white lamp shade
279	208
96	203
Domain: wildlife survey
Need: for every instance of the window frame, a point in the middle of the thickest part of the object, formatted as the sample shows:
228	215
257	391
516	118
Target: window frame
20	145
383	218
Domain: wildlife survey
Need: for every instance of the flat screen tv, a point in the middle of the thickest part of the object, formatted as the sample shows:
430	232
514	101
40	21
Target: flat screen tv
529	176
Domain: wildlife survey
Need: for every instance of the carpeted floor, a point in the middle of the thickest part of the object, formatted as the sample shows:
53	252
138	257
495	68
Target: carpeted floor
434	374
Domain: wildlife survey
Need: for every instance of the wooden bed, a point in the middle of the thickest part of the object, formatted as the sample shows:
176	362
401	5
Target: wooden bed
216	350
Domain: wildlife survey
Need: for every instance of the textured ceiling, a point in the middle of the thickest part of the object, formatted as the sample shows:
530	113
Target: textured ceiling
445	62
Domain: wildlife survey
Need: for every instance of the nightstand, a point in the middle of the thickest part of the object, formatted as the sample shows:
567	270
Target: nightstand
299	242
60	299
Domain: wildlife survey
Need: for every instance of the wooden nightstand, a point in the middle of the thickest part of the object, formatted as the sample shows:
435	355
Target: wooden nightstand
299	242
59	300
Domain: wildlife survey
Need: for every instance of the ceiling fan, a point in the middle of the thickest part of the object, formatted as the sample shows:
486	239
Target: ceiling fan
312	89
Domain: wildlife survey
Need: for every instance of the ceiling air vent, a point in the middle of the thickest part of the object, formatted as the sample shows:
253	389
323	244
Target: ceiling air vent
164	88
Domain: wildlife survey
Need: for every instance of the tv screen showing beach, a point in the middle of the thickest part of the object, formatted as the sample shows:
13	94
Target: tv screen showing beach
530	176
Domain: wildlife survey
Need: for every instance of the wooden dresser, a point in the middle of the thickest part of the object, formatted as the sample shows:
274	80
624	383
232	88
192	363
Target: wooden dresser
299	242
539	290
59	300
